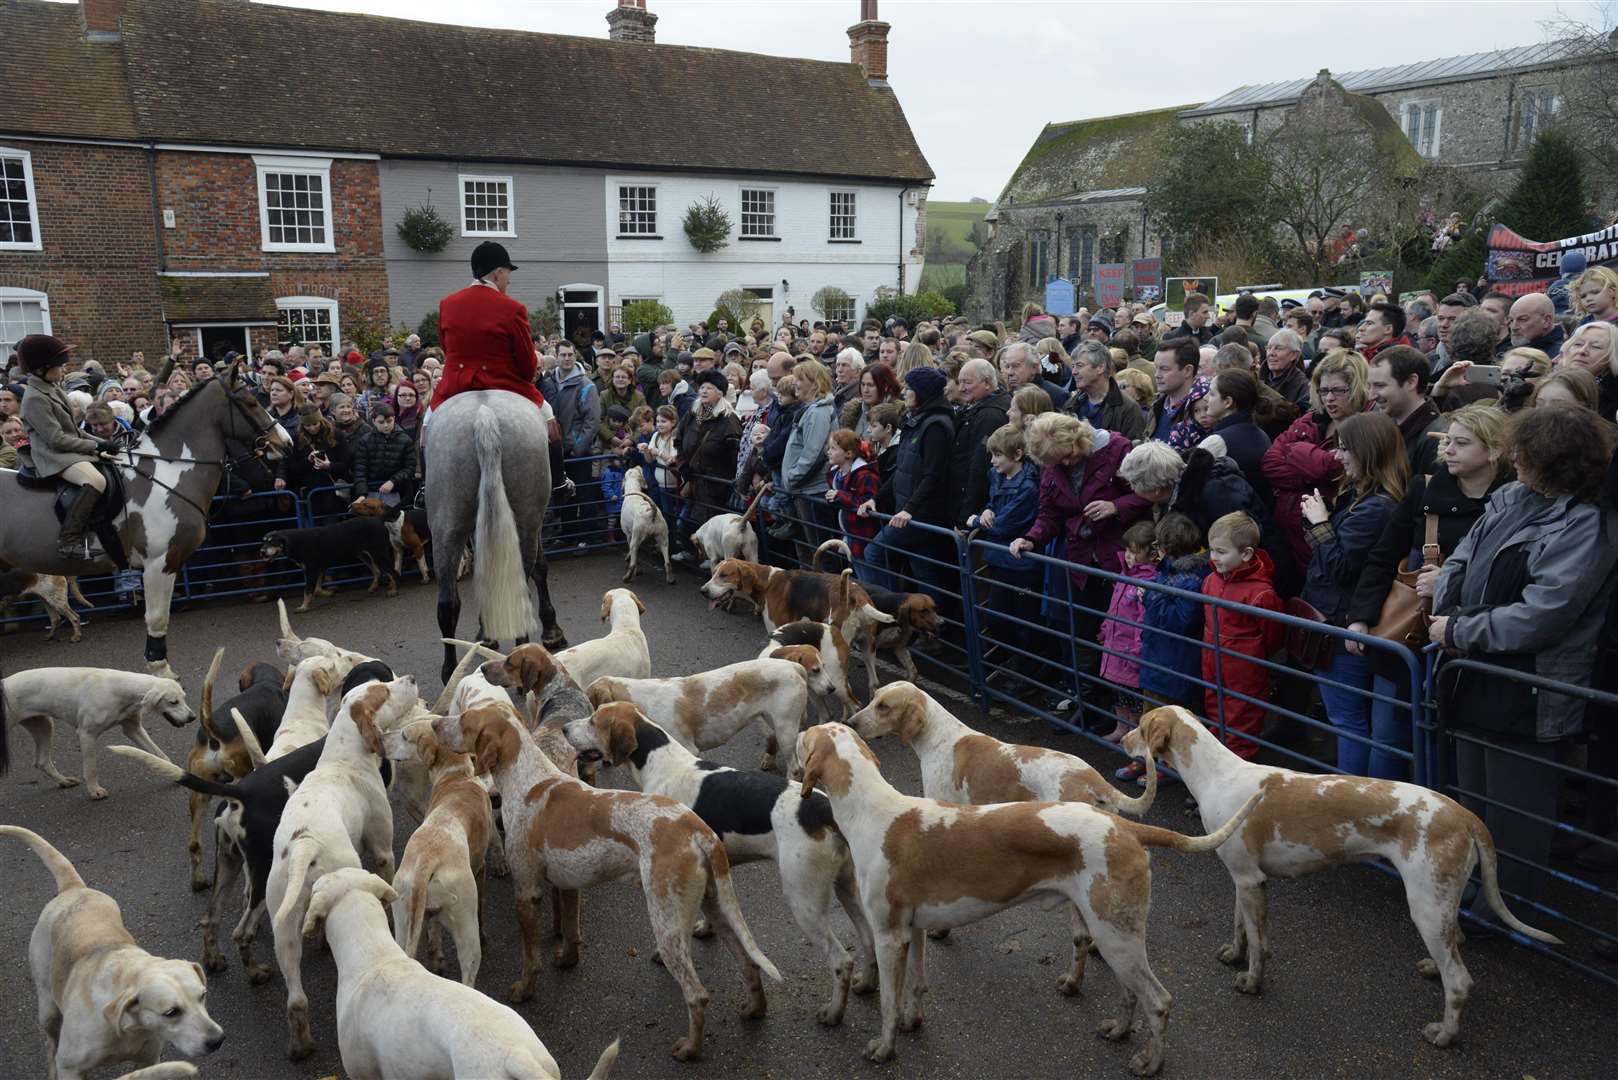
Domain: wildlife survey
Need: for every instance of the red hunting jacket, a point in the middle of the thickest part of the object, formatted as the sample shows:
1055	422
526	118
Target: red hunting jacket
488	345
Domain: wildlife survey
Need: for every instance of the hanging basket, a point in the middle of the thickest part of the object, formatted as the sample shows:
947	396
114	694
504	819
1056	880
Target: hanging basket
424	230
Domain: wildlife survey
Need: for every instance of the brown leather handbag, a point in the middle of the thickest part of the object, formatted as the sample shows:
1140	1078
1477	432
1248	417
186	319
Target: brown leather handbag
1405	615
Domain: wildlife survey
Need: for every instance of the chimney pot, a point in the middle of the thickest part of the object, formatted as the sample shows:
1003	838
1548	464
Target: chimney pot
630	21
868	43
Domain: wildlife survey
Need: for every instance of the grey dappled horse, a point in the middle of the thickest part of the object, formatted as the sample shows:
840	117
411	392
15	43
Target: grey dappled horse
489	481
170	479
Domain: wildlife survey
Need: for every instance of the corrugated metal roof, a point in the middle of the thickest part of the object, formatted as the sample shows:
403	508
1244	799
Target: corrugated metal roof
1377	80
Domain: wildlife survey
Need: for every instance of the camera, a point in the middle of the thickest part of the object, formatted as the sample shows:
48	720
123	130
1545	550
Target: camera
1514	391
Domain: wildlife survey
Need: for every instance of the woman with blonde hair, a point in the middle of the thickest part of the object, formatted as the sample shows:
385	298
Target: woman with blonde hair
1594	348
1375	473
1449	502
1304	459
914	355
1087	505
803	464
1027	403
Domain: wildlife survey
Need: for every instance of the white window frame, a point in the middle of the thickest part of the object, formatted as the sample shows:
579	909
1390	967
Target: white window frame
27	296
320	167
657	198
511	204
853	236
1405	109
853	312
33	200
285	302
741	216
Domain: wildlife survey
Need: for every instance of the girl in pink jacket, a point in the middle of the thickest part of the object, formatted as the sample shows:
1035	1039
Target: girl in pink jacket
1120	664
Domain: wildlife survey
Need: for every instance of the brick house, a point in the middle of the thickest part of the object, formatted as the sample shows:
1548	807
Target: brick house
1081	184
177	167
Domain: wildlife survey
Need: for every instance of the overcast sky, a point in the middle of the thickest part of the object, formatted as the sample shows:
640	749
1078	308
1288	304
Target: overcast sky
979	78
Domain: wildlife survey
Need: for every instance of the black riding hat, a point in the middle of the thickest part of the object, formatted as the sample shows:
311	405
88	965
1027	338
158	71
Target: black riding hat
38	353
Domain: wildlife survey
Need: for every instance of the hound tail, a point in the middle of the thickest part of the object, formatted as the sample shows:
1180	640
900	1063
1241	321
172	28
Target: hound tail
163	1070
476	653
747	515
205	714
301	855
1139	804
498	575
833	544
605	1062
725	894
62	870
286	623
409	911
74	593
1152	836
1488	864
250	743
172	772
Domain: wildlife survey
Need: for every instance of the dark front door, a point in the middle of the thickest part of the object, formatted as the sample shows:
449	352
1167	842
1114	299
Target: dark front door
218	340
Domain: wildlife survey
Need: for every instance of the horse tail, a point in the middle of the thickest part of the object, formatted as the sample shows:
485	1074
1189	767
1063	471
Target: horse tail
499	576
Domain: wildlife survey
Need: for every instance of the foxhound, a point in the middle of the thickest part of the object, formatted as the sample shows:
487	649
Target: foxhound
1305	822
832	646
339	810
102	998
784	596
398	1021
922	864
758	816
570	835
622	651
641	521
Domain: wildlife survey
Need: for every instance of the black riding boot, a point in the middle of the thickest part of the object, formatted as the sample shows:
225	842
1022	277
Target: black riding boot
72	544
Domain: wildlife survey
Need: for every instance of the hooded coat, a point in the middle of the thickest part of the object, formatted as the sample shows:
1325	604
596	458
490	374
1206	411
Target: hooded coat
1173	615
1118	633
1063	495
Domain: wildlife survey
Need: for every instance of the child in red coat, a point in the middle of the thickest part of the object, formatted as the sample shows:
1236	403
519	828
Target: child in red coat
851	480
1243	574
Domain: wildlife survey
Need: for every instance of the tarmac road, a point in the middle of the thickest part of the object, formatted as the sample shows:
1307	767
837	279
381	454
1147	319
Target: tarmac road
1342	998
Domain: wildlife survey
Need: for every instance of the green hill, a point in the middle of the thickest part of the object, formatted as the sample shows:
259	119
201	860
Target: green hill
949	225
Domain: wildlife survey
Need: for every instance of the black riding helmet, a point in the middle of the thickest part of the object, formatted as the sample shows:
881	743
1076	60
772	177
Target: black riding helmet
38	353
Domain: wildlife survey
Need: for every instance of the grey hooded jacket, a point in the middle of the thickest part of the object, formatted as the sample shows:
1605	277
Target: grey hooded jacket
1571	548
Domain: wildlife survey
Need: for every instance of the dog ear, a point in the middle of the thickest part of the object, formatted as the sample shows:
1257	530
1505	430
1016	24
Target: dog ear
428	752
621	739
535	667
812	743
321	901
640	607
911	721
1156	729
606	606
363	712
120	1011
202	976
490	746
325	678
601	692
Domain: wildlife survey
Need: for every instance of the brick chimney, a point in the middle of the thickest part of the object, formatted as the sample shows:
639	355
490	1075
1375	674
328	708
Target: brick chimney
868	43
630	21
100	19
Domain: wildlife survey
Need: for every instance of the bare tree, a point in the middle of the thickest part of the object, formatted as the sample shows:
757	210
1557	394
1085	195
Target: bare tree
1320	183
1588	109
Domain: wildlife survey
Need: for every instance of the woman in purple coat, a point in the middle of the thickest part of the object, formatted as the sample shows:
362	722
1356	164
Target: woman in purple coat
1082	498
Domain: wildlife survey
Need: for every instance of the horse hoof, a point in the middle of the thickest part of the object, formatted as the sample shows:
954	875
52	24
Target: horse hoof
162	670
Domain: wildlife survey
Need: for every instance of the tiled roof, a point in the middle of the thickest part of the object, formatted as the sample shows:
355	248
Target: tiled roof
53	82
223	72
1378	80
217	299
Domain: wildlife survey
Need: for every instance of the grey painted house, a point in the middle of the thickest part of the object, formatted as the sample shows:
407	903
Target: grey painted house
551	219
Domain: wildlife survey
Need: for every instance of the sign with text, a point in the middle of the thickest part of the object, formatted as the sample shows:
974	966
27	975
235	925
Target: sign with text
1516	265
1178	288
1111	279
1059	297
1146	278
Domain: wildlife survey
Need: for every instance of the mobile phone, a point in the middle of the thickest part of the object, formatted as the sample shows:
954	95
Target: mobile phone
1484	374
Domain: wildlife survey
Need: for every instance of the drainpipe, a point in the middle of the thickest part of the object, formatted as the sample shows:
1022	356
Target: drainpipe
157	231
903	192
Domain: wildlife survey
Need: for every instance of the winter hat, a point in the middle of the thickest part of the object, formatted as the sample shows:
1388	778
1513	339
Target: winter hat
1101	319
684	359
927	382
617	414
1574	264
712	378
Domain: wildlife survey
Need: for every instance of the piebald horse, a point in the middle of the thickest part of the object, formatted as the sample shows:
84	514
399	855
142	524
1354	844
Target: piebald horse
170	479
489	480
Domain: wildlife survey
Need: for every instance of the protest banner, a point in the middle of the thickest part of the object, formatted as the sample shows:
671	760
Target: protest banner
1146	279
1177	288
1110	281
1516	265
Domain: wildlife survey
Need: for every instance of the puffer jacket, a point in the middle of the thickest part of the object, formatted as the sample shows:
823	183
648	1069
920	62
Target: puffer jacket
380	458
1528	588
1128	602
1063	497
803	465
1174	615
918	482
1297	463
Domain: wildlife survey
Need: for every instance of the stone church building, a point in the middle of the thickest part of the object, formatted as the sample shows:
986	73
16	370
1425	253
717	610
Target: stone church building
1076	199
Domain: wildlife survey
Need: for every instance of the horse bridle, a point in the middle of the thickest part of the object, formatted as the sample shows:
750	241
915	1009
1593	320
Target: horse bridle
261	445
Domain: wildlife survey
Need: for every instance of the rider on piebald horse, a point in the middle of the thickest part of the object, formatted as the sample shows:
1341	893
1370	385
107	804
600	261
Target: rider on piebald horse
57	448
